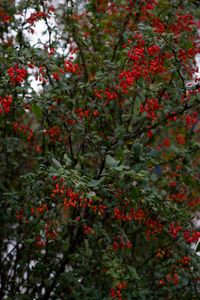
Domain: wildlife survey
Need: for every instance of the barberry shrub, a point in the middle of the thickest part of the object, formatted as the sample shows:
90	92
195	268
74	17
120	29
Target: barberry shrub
99	174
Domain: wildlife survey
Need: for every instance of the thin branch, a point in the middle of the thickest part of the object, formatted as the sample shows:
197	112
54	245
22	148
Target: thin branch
127	19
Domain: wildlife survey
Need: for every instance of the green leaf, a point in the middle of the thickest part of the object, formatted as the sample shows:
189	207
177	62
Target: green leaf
133	273
198	247
137	148
56	163
67	159
137	106
154	153
36	110
91	195
94	183
111	162
121	168
154	177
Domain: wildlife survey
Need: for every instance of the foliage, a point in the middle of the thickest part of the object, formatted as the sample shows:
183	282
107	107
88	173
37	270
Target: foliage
99	173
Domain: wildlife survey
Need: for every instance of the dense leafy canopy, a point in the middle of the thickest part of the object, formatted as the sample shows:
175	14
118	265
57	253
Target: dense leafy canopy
99	174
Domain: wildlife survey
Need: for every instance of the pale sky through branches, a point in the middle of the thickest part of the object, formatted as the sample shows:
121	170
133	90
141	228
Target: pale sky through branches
40	37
